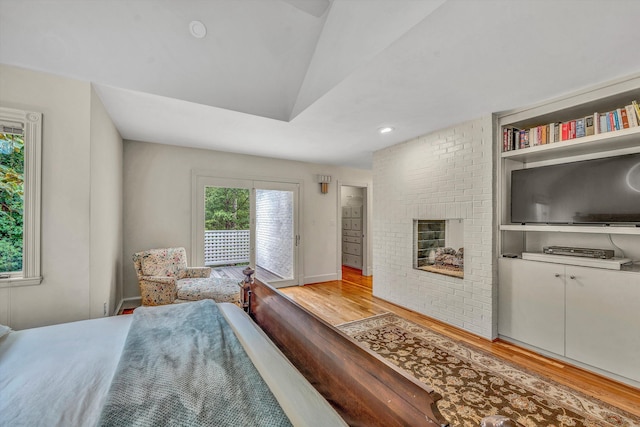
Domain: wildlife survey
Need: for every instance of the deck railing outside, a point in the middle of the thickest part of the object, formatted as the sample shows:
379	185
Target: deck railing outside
223	247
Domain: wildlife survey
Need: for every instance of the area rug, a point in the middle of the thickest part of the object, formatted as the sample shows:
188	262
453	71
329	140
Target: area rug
475	384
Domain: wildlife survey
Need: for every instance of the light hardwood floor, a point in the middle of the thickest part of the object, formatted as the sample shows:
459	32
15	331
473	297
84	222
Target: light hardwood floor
351	299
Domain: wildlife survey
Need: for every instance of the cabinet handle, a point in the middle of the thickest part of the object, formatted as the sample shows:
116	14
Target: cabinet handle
557	274
572	277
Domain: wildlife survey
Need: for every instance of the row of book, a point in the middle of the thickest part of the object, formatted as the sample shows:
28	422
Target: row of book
620	118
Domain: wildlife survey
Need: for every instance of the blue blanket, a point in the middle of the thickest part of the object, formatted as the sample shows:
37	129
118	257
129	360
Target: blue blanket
182	365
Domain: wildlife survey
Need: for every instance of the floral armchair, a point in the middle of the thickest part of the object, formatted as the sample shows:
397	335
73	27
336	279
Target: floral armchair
164	278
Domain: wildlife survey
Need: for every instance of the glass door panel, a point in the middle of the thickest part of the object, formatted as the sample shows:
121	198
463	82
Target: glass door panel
276	237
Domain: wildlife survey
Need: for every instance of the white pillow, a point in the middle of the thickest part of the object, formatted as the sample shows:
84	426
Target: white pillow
4	330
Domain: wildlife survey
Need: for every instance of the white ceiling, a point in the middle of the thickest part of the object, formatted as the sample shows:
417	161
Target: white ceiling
313	80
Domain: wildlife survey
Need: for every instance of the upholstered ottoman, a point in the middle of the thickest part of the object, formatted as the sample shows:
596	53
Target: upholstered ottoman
215	288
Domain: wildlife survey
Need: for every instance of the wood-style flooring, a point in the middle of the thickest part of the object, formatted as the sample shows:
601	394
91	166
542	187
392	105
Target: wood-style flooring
351	299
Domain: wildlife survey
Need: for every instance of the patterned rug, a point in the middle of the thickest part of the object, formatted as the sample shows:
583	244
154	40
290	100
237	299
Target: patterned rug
475	384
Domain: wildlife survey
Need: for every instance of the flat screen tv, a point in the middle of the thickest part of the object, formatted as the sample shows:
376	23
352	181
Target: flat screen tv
599	191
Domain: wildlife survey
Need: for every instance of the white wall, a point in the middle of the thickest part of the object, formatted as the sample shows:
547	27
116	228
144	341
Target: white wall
157	201
105	211
447	174
64	294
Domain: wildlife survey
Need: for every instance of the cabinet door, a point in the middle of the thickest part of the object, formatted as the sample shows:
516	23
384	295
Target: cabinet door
351	249
531	303
603	319
352	261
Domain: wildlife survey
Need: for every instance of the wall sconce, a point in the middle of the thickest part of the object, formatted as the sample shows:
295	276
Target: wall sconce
324	181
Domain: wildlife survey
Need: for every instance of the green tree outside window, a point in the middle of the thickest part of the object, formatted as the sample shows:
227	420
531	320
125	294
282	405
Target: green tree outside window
11	201
226	208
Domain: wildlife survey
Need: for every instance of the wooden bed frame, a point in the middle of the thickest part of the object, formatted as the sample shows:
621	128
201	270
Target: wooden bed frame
365	389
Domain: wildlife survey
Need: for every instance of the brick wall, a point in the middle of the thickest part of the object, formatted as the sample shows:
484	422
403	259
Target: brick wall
447	174
274	231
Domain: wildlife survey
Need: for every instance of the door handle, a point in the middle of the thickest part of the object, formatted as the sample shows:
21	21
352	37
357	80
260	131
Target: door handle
557	274
572	277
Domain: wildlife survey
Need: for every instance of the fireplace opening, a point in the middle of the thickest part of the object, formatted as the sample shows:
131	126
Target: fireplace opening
438	246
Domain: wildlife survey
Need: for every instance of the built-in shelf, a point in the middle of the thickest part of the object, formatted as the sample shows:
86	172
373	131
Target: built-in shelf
593	229
625	138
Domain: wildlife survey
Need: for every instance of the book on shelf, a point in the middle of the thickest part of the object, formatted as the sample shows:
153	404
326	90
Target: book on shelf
580	131
604	120
589	126
611	124
510	139
565	131
623	118
620	118
631	116
524	138
637	108
533	136
572	129
543	134
505	143
551	132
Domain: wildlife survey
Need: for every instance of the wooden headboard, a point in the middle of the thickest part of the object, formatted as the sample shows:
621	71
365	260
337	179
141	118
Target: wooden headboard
365	389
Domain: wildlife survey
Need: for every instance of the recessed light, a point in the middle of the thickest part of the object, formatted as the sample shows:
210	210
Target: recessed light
197	29
385	130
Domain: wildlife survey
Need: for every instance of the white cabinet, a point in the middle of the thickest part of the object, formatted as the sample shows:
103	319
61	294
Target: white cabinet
603	319
352	236
585	314
531	303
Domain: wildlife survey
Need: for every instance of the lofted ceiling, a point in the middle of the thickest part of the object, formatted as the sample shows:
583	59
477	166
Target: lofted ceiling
313	80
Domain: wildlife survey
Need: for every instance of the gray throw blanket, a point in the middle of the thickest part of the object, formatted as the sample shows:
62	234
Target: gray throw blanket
182	365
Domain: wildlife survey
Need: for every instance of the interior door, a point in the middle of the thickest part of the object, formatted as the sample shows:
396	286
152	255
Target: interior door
275	239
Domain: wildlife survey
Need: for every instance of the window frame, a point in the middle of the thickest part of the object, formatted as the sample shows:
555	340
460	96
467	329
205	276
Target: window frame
31	122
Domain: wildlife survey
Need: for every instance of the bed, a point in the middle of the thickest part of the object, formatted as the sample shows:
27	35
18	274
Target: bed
61	375
72	374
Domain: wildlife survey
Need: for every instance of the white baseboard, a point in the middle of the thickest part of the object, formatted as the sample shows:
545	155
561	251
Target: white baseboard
320	278
368	271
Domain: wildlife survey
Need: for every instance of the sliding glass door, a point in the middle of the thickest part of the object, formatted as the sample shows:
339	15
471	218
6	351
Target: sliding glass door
241	222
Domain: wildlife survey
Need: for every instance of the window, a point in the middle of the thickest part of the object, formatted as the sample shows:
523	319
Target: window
20	164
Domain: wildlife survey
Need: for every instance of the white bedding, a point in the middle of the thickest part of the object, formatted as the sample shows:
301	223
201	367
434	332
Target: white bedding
60	375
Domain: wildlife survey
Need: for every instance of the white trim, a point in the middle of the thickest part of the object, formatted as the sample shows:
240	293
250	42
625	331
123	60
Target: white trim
32	195
201	178
320	278
20	281
594	93
367	269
